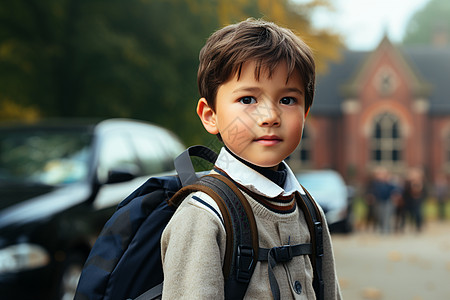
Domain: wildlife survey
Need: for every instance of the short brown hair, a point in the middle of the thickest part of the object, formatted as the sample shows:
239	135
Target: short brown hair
229	48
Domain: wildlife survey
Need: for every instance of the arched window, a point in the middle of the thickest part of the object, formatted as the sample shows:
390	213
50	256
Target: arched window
305	148
386	143
301	157
447	151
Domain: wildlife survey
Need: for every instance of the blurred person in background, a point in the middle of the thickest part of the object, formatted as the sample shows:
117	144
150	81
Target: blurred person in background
414	195
399	203
382	191
441	193
371	216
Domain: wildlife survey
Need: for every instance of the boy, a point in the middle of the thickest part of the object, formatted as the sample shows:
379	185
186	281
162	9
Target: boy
256	83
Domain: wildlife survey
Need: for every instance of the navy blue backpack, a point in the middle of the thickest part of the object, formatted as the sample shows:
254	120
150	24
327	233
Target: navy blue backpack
125	261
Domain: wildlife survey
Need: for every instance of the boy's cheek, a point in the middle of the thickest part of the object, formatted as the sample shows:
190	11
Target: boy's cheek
236	133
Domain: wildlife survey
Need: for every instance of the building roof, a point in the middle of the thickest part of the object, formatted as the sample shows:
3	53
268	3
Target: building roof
431	63
434	65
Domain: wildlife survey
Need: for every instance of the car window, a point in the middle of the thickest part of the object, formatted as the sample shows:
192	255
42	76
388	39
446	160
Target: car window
171	144
156	149
116	153
44	156
327	188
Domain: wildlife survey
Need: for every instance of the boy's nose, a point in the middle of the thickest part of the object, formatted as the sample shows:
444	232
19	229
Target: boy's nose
269	116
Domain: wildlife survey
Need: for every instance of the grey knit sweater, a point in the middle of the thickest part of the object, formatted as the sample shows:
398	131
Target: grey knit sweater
193	243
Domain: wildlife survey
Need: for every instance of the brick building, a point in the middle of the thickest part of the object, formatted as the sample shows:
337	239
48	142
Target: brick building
388	107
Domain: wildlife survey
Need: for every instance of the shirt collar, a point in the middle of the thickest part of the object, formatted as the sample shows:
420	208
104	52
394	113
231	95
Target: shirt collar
253	180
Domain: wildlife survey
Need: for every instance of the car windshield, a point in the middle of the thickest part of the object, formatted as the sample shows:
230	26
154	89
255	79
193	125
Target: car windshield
321	181
48	157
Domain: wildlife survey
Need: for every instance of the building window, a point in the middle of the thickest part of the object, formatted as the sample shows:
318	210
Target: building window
305	148
385	81
386	144
301	157
447	151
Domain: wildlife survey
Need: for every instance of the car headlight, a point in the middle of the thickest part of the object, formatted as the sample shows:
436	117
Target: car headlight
21	257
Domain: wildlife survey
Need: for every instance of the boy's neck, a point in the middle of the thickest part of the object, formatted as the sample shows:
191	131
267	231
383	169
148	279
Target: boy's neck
276	174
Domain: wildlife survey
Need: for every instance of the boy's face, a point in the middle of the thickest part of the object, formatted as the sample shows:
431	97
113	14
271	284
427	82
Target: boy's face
259	120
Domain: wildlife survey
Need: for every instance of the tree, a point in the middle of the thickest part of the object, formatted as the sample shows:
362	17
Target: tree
429	25
12	111
125	58
293	15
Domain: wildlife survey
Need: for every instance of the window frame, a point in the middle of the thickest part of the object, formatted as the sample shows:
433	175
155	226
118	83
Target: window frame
386	140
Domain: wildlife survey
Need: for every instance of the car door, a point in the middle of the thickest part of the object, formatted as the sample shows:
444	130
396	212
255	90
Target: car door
141	151
116	154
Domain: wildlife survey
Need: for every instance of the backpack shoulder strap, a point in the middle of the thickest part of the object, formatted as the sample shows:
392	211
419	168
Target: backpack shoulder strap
315	225
241	251
183	164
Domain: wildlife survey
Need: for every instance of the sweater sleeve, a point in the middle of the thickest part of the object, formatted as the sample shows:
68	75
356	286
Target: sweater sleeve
192	251
329	275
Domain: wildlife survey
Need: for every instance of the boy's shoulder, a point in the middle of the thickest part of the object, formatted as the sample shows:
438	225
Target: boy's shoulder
198	203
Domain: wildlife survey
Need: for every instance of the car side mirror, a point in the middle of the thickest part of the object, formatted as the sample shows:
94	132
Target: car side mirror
117	176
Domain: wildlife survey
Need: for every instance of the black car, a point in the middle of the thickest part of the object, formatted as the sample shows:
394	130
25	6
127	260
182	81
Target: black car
59	183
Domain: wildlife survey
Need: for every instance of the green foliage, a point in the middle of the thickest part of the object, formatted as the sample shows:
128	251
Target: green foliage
123	58
425	24
11	111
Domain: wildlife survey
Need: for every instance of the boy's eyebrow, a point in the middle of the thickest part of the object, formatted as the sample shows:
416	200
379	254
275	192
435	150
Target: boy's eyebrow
246	89
295	90
256	89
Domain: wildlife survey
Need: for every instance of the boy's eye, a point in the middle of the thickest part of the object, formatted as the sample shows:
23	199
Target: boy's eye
288	101
247	100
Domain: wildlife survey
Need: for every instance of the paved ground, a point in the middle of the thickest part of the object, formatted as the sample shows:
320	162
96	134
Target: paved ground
406	266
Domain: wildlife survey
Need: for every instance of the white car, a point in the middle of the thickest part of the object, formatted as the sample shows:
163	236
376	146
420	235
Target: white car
329	190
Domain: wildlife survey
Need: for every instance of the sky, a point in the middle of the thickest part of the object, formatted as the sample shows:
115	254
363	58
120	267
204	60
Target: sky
363	23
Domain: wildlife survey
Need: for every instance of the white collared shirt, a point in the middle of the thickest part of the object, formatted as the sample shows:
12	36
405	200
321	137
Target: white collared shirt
247	177
255	181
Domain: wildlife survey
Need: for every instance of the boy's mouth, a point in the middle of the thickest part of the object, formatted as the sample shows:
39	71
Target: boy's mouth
268	140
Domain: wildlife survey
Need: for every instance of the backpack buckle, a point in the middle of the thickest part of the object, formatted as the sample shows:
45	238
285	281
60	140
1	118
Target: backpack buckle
318	229
244	263
283	253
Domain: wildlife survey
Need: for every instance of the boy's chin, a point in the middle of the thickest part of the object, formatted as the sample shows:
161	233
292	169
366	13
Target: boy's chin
260	159
268	165
262	162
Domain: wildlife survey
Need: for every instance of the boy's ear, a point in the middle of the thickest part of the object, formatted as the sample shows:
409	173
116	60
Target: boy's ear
307	112
207	116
